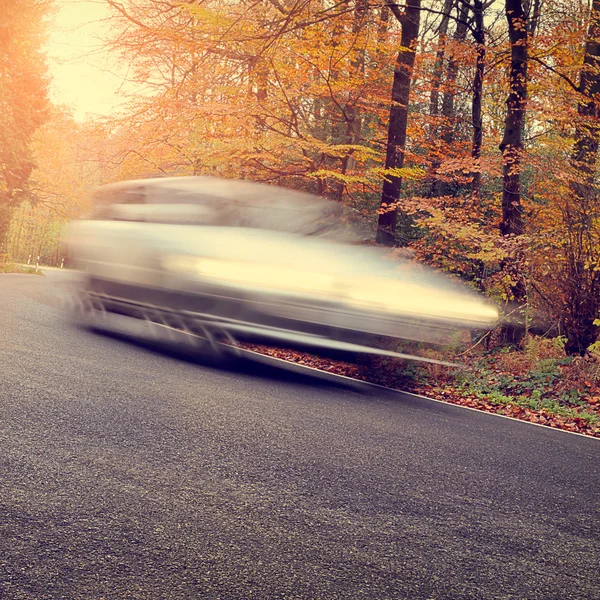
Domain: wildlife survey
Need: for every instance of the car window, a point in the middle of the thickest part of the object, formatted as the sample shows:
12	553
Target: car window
133	195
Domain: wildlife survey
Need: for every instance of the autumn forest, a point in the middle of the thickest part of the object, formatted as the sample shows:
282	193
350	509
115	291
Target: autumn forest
463	130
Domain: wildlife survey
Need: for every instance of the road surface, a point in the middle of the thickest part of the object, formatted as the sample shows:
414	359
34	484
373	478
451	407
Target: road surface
131	474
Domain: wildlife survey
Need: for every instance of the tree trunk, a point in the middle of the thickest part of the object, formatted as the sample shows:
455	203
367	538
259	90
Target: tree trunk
396	142
352	110
476	114
512	142
16	250
6	212
585	150
439	187
439	59
534	10
448	109
382	30
583	207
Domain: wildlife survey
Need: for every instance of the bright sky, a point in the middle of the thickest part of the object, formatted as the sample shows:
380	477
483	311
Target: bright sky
84	76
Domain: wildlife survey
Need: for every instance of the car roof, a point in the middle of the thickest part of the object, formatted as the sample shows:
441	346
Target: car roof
253	203
202	187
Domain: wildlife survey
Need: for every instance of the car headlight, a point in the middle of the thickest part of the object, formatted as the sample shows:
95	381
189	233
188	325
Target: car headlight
419	300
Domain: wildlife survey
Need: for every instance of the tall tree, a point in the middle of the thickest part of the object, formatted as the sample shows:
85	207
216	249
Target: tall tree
396	139
477	96
439	186
440	53
352	109
449	97
512	142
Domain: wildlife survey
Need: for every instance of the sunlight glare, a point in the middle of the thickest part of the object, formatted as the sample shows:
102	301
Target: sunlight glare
84	75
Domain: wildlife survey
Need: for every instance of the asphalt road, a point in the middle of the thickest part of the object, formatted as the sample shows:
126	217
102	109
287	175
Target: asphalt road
127	473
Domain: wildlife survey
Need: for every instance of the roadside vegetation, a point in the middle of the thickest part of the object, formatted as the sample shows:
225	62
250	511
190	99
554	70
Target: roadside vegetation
537	382
6	266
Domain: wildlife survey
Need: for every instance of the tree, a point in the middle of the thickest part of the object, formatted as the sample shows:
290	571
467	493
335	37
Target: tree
69	165
476	108
436	77
439	187
511	145
289	94
23	99
396	138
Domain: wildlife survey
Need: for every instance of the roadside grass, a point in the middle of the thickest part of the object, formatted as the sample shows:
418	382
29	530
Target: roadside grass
8	267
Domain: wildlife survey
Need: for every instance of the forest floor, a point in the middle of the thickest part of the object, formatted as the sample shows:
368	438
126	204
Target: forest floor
536	383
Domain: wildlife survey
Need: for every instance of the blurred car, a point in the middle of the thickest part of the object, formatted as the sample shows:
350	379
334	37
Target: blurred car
213	262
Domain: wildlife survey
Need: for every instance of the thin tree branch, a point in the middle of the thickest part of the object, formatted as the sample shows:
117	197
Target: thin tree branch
561	75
